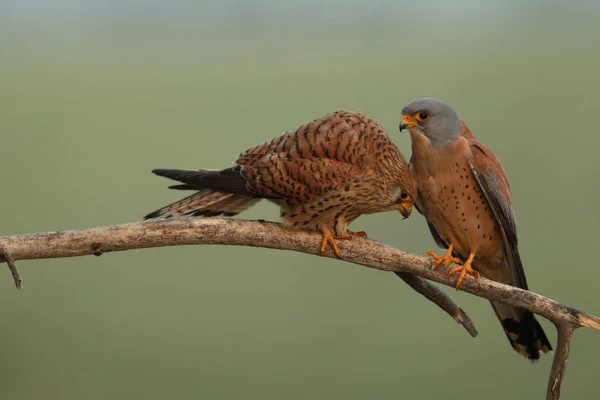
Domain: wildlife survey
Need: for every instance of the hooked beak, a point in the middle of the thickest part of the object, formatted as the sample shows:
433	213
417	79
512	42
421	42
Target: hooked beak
408	122
405	209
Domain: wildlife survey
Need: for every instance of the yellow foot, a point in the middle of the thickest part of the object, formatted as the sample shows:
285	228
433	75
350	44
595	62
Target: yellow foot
328	238
463	270
360	234
444	260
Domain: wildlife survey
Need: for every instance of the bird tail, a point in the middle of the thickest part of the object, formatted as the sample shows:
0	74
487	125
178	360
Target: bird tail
523	331
220	192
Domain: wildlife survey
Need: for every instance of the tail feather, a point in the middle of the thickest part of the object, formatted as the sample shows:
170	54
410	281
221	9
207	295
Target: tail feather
183	187
206	203
523	331
228	180
221	192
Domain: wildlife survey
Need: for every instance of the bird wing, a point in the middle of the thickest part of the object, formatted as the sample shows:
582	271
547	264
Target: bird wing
434	233
229	180
492	180
300	180
318	157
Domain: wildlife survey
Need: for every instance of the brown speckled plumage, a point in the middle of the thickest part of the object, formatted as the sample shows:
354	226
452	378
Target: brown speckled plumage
323	175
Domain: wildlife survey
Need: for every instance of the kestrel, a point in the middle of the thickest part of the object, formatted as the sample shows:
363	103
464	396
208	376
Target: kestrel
323	175
464	194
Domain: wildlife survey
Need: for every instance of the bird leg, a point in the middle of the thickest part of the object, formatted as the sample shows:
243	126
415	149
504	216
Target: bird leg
464	270
444	260
360	234
328	238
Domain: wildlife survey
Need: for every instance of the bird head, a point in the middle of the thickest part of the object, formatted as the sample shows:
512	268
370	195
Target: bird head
405	203
432	118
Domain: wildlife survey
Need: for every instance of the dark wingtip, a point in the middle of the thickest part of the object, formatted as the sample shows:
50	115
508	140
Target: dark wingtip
184	187
161	171
206	213
153	214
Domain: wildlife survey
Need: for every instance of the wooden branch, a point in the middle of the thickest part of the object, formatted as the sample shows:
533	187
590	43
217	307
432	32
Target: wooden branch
6	255
271	235
99	246
559	364
440	298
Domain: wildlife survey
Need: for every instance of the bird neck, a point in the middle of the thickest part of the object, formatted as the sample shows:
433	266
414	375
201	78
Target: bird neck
426	156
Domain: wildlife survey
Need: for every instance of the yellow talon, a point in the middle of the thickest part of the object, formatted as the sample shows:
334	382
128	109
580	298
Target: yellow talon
328	238
360	234
463	270
444	260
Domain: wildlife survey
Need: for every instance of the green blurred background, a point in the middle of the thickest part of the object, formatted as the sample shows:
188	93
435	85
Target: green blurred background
93	95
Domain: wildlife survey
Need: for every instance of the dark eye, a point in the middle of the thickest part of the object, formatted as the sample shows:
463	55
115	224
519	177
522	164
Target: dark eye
423	116
404	195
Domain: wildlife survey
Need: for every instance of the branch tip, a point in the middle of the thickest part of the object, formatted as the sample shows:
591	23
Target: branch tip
589	321
440	298
12	266
559	363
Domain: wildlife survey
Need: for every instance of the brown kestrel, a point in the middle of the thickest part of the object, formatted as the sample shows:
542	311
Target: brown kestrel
464	194
323	175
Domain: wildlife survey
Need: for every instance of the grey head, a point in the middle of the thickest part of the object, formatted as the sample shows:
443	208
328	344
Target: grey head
433	118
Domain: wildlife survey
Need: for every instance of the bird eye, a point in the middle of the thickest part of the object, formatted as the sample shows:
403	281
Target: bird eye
422	116
404	196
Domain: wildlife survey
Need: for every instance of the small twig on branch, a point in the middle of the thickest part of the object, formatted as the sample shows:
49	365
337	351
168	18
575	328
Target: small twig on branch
440	298
271	235
559	364
6	255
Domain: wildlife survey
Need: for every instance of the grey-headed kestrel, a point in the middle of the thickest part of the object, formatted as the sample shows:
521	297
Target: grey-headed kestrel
464	194
323	175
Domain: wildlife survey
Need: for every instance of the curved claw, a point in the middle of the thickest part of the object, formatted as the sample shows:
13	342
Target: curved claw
463	270
444	260
360	233
328	238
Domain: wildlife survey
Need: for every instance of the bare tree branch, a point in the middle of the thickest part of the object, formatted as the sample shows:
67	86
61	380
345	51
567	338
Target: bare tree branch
271	235
559	364
99	246
440	298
